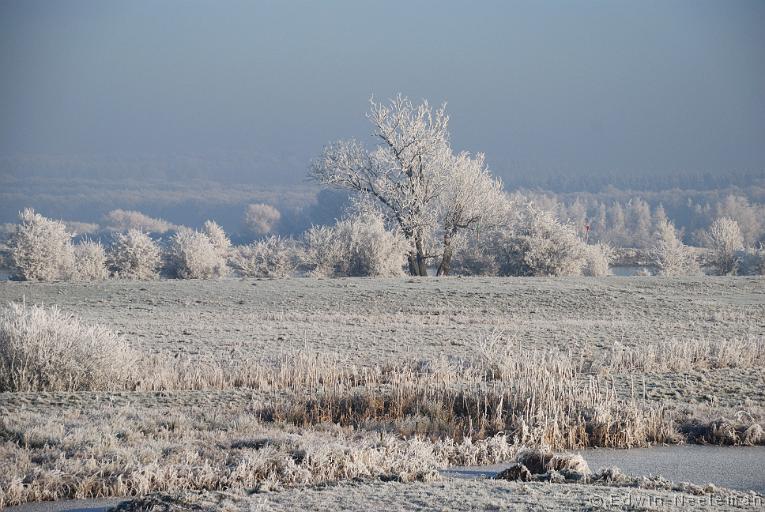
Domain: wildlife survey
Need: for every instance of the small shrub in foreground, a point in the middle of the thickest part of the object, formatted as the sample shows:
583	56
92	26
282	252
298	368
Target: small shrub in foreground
44	349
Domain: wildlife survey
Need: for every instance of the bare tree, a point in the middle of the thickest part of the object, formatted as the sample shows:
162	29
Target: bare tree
471	198
422	187
406	172
725	239
672	257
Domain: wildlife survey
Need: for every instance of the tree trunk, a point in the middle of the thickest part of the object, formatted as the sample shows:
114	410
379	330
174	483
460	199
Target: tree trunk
446	260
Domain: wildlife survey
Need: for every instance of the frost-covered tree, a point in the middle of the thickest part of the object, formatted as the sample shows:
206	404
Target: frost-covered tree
671	256
90	261
471	199
725	239
270	257
134	255
40	248
260	218
406	172
193	255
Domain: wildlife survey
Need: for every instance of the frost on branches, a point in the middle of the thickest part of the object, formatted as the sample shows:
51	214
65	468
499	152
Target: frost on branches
415	177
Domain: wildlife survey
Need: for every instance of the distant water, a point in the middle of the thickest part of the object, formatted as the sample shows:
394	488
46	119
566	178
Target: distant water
740	467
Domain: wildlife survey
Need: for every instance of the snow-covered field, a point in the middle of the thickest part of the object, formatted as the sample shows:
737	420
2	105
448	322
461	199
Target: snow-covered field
660	341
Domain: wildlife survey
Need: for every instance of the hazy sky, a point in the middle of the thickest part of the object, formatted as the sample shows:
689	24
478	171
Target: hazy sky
579	87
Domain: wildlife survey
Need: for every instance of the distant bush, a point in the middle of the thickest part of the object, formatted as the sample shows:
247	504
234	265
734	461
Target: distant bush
125	220
46	350
217	237
670	255
134	255
192	255
536	244
725	239
270	257
260	219
41	248
597	259
90	261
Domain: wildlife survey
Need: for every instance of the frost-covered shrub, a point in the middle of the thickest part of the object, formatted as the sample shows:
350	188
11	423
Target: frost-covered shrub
260	218
671	256
356	246
217	237
725	239
596	260
40	248
536	244
369	249
134	255
125	220
46	350
90	261
322	250
192	255
270	257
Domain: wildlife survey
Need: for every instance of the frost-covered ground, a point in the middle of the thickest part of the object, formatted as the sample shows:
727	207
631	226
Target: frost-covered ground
367	322
377	321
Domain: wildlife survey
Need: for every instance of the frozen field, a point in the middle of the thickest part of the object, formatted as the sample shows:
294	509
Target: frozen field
379	321
139	442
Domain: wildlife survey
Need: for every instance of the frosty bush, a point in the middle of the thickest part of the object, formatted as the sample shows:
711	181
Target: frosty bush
596	260
134	255
356	246
90	261
671	256
536	244
217	237
270	257
125	220
47	350
192	255
260	218
40	248
369	249
322	250
724	238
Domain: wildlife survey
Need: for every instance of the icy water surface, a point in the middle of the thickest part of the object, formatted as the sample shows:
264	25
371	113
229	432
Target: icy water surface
741	468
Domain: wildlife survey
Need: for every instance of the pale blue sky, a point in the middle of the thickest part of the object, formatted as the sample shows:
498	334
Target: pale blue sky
572	87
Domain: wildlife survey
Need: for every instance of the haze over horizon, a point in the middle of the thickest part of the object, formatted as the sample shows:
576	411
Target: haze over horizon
253	90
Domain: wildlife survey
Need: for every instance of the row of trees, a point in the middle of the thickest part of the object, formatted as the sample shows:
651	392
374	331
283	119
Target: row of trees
633	221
